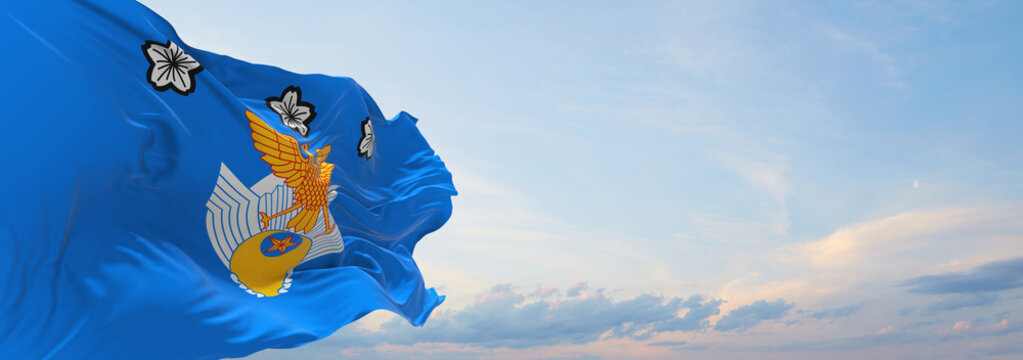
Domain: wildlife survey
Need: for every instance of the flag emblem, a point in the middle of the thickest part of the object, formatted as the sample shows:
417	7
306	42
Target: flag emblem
294	112
170	67
366	141
262	232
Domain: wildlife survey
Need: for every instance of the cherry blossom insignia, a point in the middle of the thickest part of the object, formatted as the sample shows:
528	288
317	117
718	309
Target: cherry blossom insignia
295	113
367	140
170	67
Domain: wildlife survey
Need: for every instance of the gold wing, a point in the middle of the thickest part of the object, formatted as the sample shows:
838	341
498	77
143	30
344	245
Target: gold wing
280	151
325	168
325	172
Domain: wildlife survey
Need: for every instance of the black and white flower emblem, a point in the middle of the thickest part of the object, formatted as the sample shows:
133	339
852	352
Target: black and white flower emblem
367	140
170	67
294	112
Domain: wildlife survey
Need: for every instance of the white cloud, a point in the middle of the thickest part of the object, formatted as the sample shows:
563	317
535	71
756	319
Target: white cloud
900	234
864	262
503	318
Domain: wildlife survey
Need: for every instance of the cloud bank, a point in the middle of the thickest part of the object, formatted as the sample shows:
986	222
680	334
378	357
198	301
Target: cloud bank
837	313
991	277
745	317
504	317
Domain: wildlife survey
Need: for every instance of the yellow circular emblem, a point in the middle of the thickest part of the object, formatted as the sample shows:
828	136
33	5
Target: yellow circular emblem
263	262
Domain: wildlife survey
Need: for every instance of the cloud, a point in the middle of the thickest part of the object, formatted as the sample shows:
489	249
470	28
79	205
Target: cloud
949	333
544	292
575	357
960	301
837	313
1012	349
991	277
668	343
745	317
576	288
695	318
503	318
899	235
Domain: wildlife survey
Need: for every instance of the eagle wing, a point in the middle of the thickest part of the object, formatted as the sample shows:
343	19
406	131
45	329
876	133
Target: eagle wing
325	168
325	172
280	151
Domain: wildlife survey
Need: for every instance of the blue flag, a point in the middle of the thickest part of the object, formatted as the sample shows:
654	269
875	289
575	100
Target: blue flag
160	201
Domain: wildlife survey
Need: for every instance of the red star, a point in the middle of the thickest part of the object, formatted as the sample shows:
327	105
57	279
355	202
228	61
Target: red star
280	245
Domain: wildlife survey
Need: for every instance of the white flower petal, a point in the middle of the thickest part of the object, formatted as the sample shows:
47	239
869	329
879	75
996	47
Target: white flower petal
300	113
156	53
278	107
367	141
366	147
297	126
181	80
161	76
290	98
174	49
188	64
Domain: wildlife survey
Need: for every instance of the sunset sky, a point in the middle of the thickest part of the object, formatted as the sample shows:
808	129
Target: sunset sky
658	180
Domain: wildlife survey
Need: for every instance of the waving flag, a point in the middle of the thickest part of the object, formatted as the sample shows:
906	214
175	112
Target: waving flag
160	201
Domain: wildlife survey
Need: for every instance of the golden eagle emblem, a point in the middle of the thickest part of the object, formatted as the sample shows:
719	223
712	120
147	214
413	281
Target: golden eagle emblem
309	176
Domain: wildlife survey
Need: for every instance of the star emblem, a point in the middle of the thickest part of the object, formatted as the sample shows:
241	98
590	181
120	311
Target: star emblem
281	245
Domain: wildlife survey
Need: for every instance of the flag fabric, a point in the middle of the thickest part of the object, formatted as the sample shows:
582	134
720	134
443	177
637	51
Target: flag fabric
160	201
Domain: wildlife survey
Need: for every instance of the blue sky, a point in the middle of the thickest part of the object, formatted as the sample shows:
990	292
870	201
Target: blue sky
733	180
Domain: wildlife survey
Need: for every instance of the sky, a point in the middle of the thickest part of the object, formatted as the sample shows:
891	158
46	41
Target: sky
705	179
